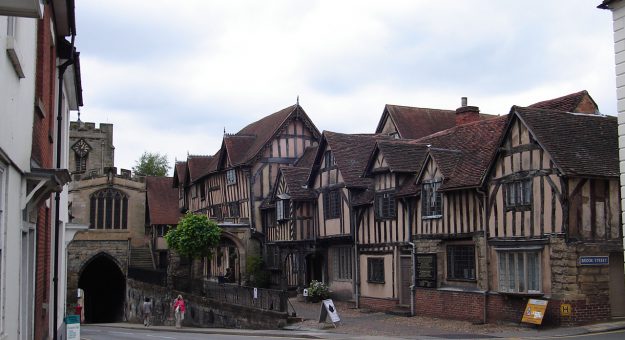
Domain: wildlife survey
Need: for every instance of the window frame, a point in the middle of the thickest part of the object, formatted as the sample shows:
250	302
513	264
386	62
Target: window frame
283	211
375	266
328	159
332	204
108	209
385	205
342	263
456	257
234	209
429	189
518	194
231	177
503	266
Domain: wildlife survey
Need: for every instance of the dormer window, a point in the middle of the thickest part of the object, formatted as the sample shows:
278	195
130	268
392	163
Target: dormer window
282	209
231	176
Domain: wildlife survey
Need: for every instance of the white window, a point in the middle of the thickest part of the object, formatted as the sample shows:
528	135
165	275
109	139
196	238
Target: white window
282	210
231	176
519	271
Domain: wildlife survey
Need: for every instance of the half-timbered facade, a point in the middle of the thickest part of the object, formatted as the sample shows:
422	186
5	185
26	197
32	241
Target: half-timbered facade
231	185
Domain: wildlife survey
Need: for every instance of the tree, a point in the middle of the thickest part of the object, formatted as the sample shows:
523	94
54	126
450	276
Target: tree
151	164
194	237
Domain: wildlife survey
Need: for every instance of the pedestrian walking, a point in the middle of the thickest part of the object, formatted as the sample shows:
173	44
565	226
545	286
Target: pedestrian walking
147	312
179	310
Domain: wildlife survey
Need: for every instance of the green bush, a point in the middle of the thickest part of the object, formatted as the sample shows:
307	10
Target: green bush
257	275
318	290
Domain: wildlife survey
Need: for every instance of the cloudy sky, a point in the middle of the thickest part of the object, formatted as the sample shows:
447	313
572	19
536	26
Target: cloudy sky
171	75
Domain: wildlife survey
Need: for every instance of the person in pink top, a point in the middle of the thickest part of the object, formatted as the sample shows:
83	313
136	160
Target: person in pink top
179	309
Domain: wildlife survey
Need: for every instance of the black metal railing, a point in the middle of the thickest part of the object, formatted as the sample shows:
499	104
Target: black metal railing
259	298
156	277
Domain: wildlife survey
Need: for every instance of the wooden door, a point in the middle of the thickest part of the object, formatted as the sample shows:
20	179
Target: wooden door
617	287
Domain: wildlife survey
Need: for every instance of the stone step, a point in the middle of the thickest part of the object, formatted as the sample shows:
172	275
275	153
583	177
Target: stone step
141	258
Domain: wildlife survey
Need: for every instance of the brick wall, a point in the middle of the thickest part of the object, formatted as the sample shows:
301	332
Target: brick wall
449	305
378	303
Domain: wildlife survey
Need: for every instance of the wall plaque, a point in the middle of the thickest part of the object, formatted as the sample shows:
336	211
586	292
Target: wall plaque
425	270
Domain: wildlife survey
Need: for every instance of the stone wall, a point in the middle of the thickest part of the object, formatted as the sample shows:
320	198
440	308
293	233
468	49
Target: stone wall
200	311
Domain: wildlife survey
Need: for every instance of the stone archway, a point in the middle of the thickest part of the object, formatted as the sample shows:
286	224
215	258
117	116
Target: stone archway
230	244
104	285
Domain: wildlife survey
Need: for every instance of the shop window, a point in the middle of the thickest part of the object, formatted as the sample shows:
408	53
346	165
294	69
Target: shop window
519	271
431	200
461	262
375	270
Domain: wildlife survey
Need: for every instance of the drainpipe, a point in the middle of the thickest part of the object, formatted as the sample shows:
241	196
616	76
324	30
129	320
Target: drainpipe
485	252
356	278
414	279
57	196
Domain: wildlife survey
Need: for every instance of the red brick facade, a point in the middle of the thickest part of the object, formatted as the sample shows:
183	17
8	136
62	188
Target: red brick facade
378	303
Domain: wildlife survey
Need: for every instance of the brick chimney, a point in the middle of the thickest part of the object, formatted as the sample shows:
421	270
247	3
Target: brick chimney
466	114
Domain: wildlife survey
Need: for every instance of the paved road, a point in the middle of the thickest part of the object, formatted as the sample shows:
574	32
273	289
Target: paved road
89	332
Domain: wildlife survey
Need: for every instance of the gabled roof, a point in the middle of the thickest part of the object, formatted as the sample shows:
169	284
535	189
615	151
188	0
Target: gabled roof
197	166
465	152
162	200
400	155
295	179
308	157
246	144
417	122
351	153
575	102
180	172
579	144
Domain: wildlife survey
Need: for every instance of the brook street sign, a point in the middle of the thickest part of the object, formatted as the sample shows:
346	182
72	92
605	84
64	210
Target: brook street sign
594	260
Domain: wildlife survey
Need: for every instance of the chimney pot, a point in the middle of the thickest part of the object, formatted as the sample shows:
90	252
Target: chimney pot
463	101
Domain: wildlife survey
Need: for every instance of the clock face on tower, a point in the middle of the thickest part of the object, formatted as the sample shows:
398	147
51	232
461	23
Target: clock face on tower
81	148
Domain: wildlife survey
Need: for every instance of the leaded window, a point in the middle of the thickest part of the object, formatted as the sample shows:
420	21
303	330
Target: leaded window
461	262
234	209
231	176
332	204
518	194
519	271
385	206
342	263
108	210
375	270
431	200
328	159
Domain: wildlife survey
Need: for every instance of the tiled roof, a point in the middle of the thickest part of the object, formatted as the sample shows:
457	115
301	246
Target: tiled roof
409	188
417	122
569	103
363	197
402	155
295	178
308	157
351	153
180	172
579	144
465	152
162	200
257	134
198	166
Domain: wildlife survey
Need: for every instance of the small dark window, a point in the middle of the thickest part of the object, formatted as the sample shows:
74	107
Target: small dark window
385	206
332	204
518	194
216	212
234	209
461	262
431	200
203	190
375	270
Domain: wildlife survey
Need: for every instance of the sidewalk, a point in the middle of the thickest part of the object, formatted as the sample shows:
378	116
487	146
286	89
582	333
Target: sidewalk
365	324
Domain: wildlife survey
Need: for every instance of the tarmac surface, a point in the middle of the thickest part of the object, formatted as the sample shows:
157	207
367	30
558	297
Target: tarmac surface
366	324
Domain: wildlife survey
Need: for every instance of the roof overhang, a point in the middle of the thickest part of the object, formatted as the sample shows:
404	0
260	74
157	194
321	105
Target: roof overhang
22	8
64	17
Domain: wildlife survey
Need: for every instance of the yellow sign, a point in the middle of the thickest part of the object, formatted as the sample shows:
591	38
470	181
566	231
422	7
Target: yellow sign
565	309
535	311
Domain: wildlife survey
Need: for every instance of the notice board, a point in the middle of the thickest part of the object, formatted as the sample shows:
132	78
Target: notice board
425	270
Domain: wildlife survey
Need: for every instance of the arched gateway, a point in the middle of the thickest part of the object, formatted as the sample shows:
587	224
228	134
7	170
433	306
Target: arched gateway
104	285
